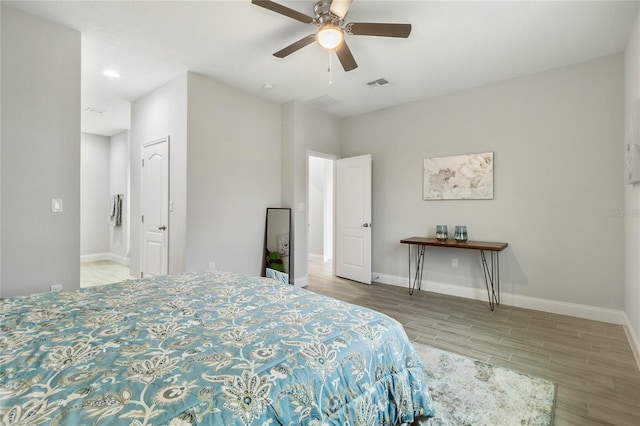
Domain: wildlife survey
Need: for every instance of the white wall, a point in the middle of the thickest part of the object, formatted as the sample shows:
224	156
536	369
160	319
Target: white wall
304	128
104	173
328	209
320	207
233	175
40	154
556	139
157	114
316	206
119	184
0	153
94	194
632	196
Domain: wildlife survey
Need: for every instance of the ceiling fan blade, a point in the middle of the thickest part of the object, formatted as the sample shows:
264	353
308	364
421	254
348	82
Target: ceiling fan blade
345	56
381	30
340	7
283	10
295	46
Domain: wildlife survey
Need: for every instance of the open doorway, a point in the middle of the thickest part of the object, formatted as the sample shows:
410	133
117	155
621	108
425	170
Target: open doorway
104	212
321	212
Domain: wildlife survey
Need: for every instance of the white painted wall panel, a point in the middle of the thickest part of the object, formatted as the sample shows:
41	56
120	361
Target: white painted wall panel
40	158
94	193
160	113
632	192
119	184
557	140
234	174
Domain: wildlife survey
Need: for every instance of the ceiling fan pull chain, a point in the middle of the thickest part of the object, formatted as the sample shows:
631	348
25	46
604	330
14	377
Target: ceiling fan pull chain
329	69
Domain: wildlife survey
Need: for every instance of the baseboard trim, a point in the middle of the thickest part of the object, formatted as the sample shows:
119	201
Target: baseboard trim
545	305
633	339
94	257
104	256
119	259
316	257
301	281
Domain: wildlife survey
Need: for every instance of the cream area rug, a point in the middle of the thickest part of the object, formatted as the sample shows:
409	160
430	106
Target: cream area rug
470	392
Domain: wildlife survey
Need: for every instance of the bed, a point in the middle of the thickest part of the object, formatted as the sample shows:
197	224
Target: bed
214	348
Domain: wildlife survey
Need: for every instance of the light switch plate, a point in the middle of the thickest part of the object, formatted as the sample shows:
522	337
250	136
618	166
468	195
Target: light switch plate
56	205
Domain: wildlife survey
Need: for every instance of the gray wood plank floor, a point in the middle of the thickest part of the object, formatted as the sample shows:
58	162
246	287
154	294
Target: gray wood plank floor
592	362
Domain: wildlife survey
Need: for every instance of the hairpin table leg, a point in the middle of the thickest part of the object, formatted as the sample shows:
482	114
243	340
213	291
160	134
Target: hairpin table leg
417	279
492	278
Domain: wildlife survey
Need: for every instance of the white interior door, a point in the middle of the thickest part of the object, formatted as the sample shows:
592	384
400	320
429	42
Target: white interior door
353	218
155	208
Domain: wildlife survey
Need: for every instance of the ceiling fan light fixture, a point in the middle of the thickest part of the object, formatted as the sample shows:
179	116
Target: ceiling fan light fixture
328	16
330	36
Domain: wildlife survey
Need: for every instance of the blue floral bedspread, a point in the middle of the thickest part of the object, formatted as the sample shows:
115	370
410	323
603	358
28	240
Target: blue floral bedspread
215	348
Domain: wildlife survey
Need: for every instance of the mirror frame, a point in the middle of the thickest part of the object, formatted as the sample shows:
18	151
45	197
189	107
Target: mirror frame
266	236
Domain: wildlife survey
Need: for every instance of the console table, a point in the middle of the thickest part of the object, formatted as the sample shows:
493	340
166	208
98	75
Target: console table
491	273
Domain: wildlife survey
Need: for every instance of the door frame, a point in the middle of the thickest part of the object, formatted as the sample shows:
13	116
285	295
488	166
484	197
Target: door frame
333	158
163	139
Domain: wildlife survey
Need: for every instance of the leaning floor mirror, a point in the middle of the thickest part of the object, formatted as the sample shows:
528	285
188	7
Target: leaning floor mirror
277	263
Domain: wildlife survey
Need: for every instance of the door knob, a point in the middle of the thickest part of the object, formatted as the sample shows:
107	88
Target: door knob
366	225
162	228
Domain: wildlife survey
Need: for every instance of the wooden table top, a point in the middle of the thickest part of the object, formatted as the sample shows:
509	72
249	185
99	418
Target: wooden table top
472	245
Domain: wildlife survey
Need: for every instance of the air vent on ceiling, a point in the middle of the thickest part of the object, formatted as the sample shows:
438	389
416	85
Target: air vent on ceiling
95	110
323	101
381	82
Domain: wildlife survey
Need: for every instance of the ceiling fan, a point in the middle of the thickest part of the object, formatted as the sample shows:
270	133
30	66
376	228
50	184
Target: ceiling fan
329	18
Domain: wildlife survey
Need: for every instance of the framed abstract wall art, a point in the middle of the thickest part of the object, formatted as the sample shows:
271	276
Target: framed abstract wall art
459	177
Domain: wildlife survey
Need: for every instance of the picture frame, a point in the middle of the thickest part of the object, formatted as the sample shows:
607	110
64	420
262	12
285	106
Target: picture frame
458	177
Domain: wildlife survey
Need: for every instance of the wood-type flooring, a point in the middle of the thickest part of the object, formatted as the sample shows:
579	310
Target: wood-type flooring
592	362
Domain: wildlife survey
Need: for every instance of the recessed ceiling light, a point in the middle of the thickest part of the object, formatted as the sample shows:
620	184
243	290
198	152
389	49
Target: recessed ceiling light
111	73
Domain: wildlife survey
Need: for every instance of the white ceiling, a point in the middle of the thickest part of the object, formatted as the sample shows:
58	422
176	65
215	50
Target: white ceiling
453	46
